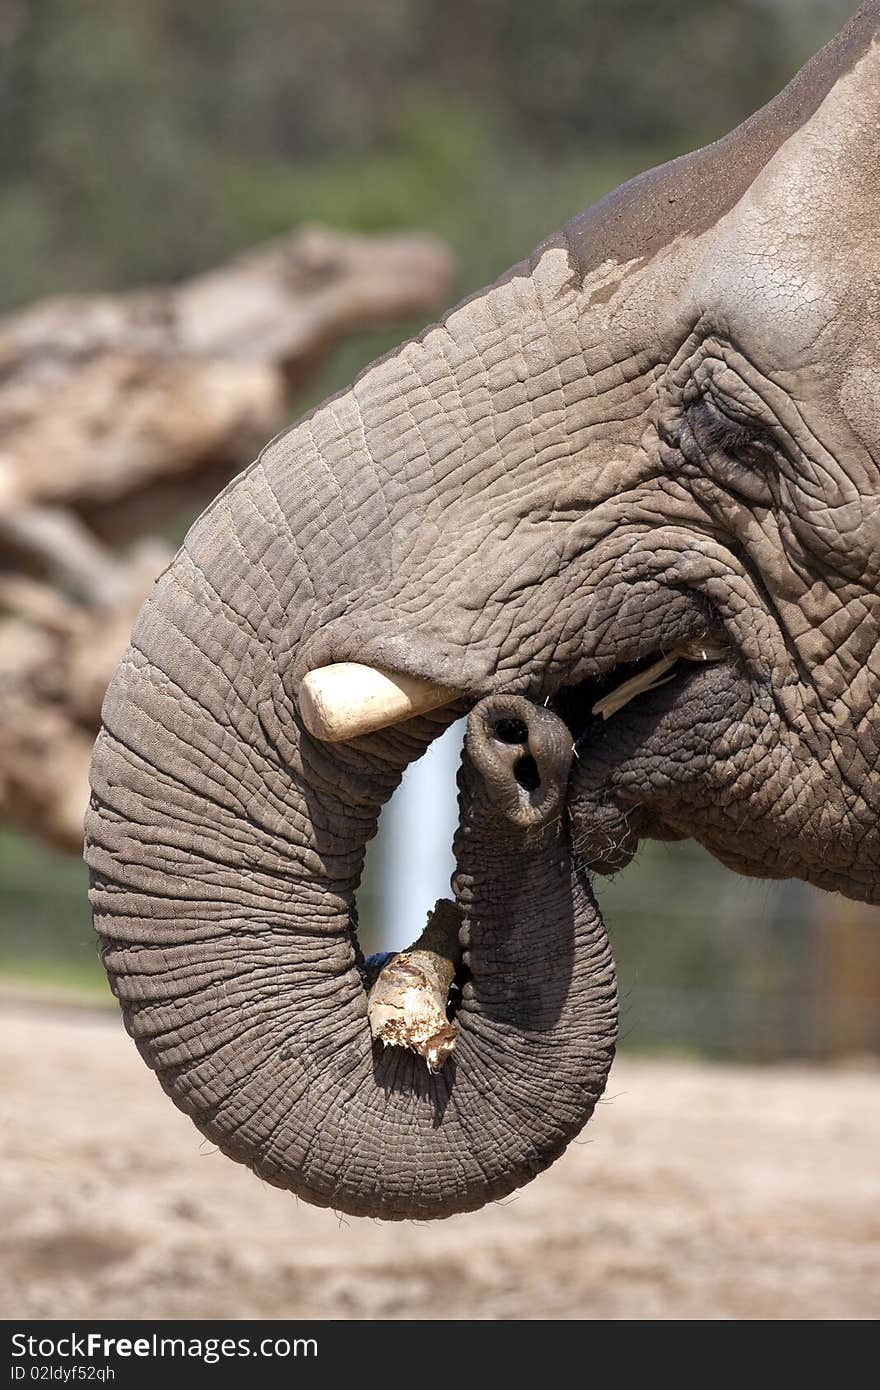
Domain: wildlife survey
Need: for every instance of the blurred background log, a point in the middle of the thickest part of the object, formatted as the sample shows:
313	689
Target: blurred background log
119	413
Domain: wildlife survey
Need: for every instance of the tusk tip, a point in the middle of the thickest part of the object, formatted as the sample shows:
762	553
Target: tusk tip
347	700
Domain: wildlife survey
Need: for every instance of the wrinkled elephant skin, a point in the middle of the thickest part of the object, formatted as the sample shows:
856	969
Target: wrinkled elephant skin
657	440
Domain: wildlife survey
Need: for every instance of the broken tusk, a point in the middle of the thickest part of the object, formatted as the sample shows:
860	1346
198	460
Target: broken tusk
347	700
636	685
695	649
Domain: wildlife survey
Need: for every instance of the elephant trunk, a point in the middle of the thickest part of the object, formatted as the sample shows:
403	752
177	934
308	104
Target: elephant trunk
245	990
226	842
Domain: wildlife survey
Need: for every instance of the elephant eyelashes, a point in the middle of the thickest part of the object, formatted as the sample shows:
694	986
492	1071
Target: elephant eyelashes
730	431
736	453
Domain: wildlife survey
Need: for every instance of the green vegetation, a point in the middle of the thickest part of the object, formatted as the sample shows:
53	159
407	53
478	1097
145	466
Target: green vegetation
46	933
143	141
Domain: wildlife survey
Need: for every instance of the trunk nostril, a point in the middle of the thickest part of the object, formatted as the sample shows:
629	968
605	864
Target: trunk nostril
525	770
523	753
512	731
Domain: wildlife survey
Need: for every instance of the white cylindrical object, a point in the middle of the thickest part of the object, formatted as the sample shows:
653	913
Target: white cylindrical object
347	700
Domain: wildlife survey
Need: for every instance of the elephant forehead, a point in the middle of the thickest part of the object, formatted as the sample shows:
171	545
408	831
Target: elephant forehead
787	265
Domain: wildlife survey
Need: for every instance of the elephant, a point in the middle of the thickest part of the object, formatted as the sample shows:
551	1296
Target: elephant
621	511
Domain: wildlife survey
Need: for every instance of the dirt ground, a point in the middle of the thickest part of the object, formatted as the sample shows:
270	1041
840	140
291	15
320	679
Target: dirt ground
703	1192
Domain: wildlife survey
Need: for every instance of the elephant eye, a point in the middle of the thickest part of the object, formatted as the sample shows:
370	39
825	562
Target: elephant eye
720	441
721	424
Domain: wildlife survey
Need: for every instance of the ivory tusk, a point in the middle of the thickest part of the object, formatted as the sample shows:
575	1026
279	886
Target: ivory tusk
347	700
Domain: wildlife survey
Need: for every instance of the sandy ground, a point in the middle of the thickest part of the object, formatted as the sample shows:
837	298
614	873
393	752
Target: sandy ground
703	1192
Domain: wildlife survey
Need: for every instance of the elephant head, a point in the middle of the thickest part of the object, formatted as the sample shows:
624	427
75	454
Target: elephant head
655	440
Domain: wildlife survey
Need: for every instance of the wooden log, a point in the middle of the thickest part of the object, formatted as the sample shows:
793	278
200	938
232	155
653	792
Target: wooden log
103	396
116	413
56	658
407	1003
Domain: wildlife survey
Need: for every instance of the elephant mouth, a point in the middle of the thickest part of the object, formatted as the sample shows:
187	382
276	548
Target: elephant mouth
591	703
611	717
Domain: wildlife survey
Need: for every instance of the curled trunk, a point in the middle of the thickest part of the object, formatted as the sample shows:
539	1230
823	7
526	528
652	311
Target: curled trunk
252	1007
226	844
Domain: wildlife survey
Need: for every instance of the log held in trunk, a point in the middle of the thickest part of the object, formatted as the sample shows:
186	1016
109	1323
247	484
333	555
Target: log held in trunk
409	1001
